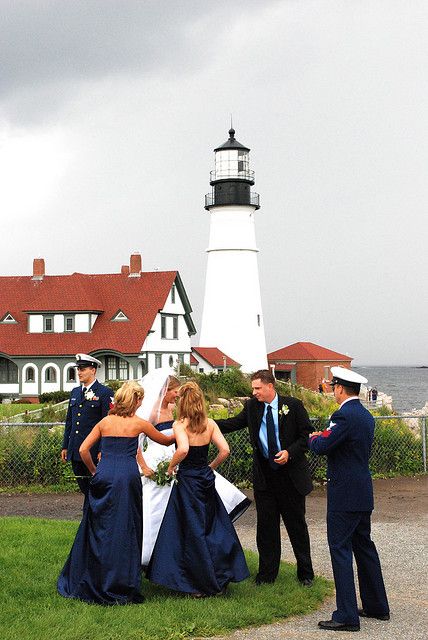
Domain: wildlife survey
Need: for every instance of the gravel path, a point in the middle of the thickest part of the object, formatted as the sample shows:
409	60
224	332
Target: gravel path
399	528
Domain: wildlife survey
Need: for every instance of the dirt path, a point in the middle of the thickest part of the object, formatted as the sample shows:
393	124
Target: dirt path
396	499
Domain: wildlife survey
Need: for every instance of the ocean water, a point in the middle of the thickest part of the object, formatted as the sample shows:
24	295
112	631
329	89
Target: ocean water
408	386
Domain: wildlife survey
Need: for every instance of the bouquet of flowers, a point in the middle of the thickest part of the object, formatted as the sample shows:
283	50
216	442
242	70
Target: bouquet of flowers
160	476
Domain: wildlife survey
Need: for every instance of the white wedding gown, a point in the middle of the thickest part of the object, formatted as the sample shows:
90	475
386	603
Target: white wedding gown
155	497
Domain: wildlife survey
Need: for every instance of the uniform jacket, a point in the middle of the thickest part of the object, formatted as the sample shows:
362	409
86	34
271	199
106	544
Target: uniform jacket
347	442
83	415
294	429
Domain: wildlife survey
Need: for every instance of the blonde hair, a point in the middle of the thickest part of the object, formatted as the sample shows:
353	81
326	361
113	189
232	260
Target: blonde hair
191	405
126	399
173	383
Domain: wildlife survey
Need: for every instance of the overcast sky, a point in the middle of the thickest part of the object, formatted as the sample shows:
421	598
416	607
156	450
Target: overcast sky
110	111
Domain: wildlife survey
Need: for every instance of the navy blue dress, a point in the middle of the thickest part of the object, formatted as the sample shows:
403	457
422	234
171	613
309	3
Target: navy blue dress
197	549
104	562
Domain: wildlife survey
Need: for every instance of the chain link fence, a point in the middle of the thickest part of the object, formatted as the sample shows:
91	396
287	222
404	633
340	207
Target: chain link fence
30	453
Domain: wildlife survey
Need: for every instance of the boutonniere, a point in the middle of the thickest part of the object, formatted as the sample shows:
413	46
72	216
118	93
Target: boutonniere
111	403
284	410
90	395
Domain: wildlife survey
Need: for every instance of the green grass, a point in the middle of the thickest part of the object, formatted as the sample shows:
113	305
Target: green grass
7	410
33	551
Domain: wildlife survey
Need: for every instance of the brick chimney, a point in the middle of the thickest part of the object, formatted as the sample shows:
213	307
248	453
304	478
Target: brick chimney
135	265
124	270
38	269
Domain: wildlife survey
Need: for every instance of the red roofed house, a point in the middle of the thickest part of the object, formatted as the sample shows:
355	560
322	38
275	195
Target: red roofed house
208	359
133	321
306	363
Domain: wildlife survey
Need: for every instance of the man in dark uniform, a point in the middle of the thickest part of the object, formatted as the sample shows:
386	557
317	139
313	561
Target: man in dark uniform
279	428
347	442
89	403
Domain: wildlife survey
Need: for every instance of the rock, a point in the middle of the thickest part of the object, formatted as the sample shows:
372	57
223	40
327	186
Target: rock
216	407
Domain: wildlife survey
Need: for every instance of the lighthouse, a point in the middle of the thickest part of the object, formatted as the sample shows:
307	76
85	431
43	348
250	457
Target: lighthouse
232	318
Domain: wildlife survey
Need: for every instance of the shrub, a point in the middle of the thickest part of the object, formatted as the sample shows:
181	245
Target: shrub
44	458
114	384
396	450
54	396
31	455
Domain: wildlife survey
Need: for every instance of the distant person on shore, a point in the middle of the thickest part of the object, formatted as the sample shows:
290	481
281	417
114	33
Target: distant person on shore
320	388
347	442
374	394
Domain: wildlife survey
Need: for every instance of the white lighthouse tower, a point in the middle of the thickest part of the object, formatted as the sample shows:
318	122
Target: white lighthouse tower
232	318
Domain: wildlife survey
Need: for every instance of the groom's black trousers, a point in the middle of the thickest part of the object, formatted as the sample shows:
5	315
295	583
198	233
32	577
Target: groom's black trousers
279	500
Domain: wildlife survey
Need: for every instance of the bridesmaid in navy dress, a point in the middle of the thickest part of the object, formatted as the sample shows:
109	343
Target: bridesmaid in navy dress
197	550
104	562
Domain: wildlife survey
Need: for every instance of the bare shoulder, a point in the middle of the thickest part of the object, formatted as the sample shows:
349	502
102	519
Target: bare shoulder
211	424
140	423
180	424
104	423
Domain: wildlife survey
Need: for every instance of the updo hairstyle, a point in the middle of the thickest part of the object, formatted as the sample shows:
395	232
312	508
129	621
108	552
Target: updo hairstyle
126	399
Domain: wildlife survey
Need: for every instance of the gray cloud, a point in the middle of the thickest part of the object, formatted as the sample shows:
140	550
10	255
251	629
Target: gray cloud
330	96
48	47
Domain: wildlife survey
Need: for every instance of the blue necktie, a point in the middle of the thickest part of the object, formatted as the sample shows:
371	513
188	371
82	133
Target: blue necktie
271	438
84	390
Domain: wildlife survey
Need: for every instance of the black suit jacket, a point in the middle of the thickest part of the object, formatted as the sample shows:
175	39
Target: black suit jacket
294	429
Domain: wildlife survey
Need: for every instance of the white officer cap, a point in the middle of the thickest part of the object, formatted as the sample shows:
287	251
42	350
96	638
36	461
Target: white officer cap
347	377
83	360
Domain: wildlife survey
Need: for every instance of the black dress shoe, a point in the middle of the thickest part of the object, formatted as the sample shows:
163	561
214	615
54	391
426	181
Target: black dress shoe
332	625
306	582
364	614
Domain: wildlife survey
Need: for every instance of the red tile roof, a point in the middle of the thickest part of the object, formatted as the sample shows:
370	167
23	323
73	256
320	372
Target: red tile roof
306	351
140	299
214	356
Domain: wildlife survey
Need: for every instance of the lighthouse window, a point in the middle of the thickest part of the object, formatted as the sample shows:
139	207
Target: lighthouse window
258	319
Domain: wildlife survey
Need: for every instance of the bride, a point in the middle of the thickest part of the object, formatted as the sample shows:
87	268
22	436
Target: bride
161	390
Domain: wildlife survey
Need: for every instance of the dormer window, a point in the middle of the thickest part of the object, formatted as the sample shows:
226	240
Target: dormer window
8	318
119	316
69	323
48	324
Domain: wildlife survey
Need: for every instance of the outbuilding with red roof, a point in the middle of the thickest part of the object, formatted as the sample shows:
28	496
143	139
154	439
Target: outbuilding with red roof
306	363
208	359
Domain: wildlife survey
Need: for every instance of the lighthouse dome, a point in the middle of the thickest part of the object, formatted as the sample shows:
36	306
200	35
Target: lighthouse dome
231	143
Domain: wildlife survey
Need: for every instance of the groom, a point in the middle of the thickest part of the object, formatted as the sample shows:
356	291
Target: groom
279	428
